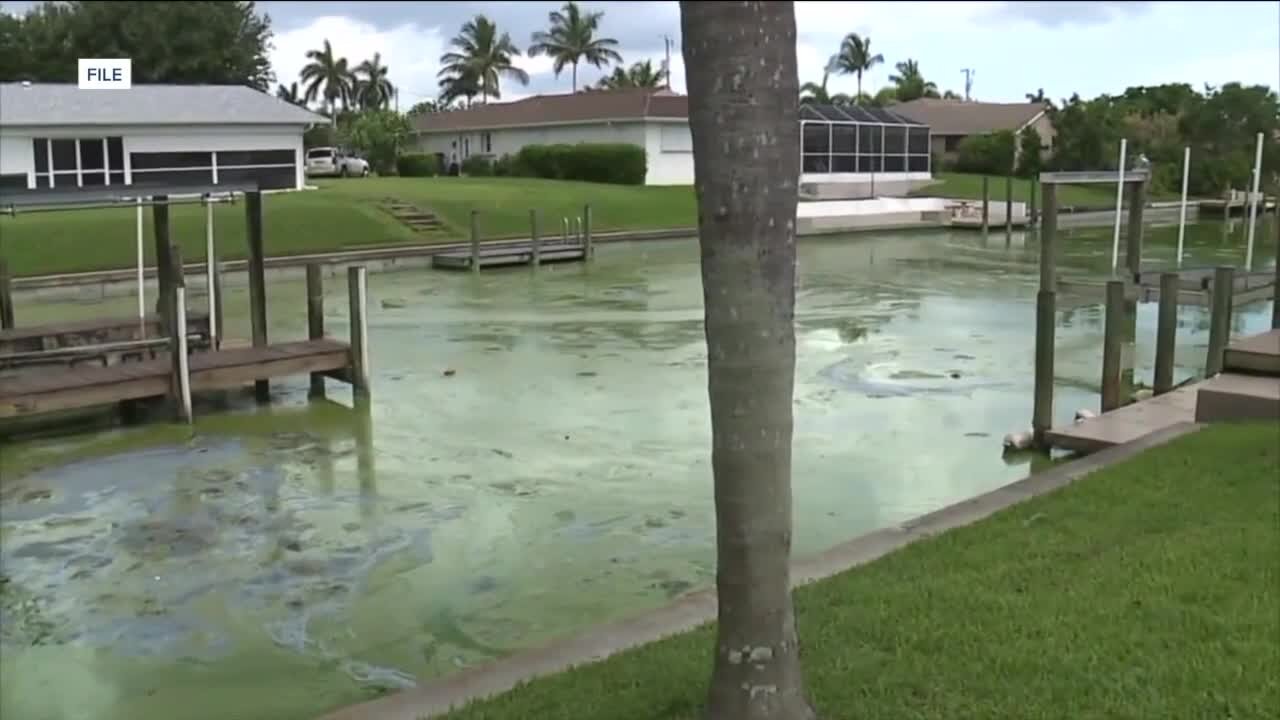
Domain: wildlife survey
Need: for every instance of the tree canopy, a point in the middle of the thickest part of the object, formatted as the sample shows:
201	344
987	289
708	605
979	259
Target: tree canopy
481	54
572	39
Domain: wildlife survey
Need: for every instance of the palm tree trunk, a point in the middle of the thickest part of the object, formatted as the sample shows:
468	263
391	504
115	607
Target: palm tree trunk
575	76
746	168
859	100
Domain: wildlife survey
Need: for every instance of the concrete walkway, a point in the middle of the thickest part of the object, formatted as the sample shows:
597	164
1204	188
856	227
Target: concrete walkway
436	697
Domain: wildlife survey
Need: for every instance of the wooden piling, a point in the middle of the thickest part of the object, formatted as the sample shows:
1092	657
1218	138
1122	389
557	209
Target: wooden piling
217	303
164	264
588	249
475	241
1046	317
315	320
358	296
1008	207
565	231
534	238
1133	236
1112	345
210	270
257	283
986	203
1219	319
181	377
1275	294
1031	205
6	297
1166	332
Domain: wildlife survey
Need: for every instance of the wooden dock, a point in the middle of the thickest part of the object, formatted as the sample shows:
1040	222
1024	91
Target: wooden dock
510	256
97	331
1194	285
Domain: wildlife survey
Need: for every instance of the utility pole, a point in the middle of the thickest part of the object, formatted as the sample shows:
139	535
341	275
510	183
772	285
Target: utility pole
968	81
666	41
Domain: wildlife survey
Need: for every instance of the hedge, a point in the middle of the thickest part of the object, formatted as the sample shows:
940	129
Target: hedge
616	163
417	165
477	166
990	154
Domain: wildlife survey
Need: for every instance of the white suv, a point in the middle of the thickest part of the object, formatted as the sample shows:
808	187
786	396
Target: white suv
328	161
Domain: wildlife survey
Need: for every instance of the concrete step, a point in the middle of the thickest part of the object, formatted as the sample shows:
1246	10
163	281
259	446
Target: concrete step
1231	397
1258	354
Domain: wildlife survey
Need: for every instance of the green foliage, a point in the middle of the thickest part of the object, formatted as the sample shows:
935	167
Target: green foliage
505	166
417	165
480	56
478	166
616	163
319	136
378	134
572	39
1029	161
909	84
172	42
990	154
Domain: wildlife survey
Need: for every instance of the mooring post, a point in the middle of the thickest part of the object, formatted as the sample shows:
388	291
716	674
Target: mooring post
986	203
1275	287
216	323
1112	345
1133	239
6	297
588	249
181	379
534	238
565	231
315	320
257	283
1046	314
1166	332
164	264
211	269
475	241
1031	205
1219	319
1008	207
358	296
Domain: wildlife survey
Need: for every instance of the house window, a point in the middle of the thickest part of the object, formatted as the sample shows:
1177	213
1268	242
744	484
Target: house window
78	162
487	141
271	169
466	147
14	181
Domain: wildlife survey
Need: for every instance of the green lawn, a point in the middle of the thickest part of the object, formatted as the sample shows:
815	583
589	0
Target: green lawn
969	187
1147	590
343	214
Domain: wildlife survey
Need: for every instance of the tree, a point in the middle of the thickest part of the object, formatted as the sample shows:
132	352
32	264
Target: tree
948	95
459	83
222	43
372	87
1029	152
886	95
378	134
817	93
291	94
572	39
424	107
480	52
1037	96
988	154
909	84
744	119
639	75
855	57
327	76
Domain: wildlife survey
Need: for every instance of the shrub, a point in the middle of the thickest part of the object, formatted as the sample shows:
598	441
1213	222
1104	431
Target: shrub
504	166
616	163
417	165
478	166
990	154
319	136
1029	162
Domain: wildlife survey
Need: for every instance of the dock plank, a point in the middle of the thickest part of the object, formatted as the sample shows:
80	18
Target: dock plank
1255	354
1128	423
52	336
510	255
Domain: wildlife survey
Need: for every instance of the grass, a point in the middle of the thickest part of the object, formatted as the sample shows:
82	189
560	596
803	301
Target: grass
342	215
969	187
1146	590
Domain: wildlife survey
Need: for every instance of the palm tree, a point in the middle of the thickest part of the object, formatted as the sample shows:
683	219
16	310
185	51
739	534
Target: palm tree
948	95
373	89
290	94
909	84
483	54
855	57
1037	96
639	75
817	93
328	77
461	84
572	40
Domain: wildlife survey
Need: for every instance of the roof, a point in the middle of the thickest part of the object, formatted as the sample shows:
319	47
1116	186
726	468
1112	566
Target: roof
957	117
47	104
583	107
854	113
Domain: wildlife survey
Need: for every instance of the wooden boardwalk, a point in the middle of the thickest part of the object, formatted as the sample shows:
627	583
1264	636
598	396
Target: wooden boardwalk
98	331
50	391
1193	288
511	255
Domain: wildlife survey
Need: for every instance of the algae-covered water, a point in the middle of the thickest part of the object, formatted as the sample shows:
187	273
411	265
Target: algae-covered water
276	562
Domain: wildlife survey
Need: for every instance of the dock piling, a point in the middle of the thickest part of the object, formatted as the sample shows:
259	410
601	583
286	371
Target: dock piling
565	231
1031	204
1046	315
534	239
986	204
6	297
181	381
1275	294
1219	319
315	320
588	250
1166	332
359	295
475	241
1008	208
1112	346
164	265
211	269
257	283
1133	238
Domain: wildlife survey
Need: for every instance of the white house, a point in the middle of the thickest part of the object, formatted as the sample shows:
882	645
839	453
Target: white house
57	135
656	120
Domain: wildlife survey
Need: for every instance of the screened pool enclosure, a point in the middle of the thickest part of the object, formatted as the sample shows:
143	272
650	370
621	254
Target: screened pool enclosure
851	139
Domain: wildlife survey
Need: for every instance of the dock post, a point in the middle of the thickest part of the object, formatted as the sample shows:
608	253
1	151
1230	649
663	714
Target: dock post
1046	315
1112	346
210	269
315	320
164	264
588	250
257	283
6	297
533	238
1166	332
216	323
359	295
1275	288
986	203
475	241
181	381
1219	319
1008	207
1031	205
565	231
1133	239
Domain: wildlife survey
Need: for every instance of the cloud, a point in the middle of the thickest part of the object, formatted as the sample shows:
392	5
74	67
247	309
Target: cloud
1057	14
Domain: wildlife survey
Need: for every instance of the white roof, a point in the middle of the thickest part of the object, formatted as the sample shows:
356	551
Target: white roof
47	104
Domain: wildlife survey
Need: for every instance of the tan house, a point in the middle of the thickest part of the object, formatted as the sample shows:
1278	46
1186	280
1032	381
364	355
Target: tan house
951	121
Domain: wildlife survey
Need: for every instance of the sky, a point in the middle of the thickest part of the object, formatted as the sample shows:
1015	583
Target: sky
1013	48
